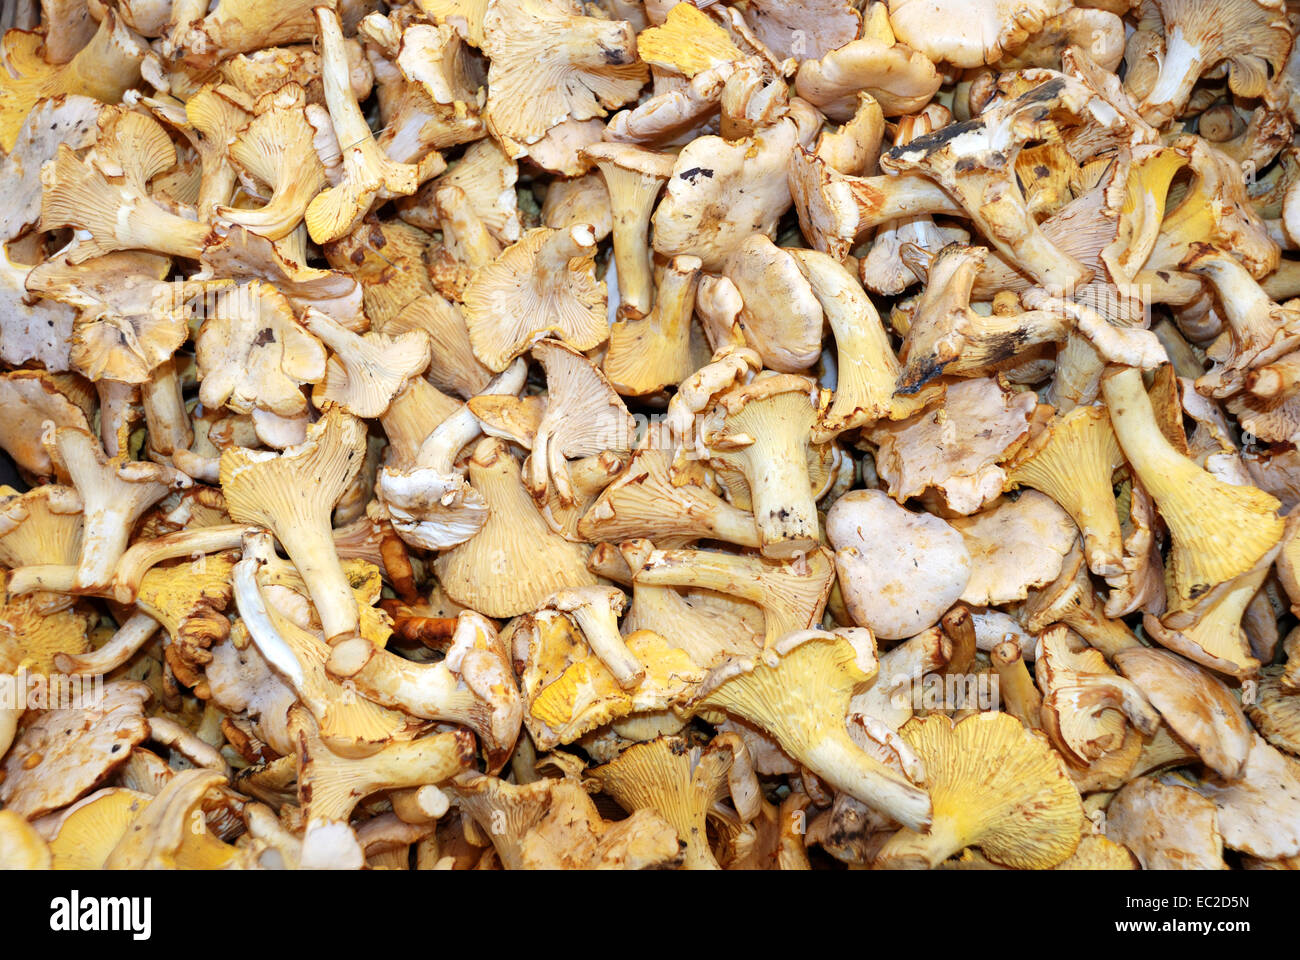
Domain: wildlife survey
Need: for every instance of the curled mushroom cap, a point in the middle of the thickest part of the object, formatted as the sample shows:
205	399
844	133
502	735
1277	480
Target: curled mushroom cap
731	190
900	79
1015	803
899	571
944	449
1196	705
1251	35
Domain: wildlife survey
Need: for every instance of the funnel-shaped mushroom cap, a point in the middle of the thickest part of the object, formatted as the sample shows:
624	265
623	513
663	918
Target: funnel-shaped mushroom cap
677	781
92	827
1250	35
171	833
996	786
252	352
766	434
549	65
544	284
1276	713
114	492
1219	530
1072	461
799	693
31	399
293	495
645	502
488	572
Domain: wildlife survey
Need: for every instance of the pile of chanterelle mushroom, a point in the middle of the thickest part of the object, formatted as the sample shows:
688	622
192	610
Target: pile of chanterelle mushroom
760	435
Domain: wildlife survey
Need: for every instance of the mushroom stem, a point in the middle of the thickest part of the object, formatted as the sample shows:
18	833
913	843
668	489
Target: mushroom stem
9	717
783	504
561	247
1077	379
1016	687
1179	71
164	410
147	554
599	626
909	850
130	637
257	620
50	577
1280	378
831	754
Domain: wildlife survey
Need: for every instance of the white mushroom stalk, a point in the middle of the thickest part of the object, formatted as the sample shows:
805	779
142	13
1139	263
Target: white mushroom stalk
114	493
367	172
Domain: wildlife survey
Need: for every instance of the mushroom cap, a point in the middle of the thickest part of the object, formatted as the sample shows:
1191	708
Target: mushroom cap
899	571
723	191
901	80
253	352
1015	803
1015	545
1276	713
803	29
956	446
64	753
969	33
1098	853
1197	706
1167	827
1259	814
523	296
488	572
